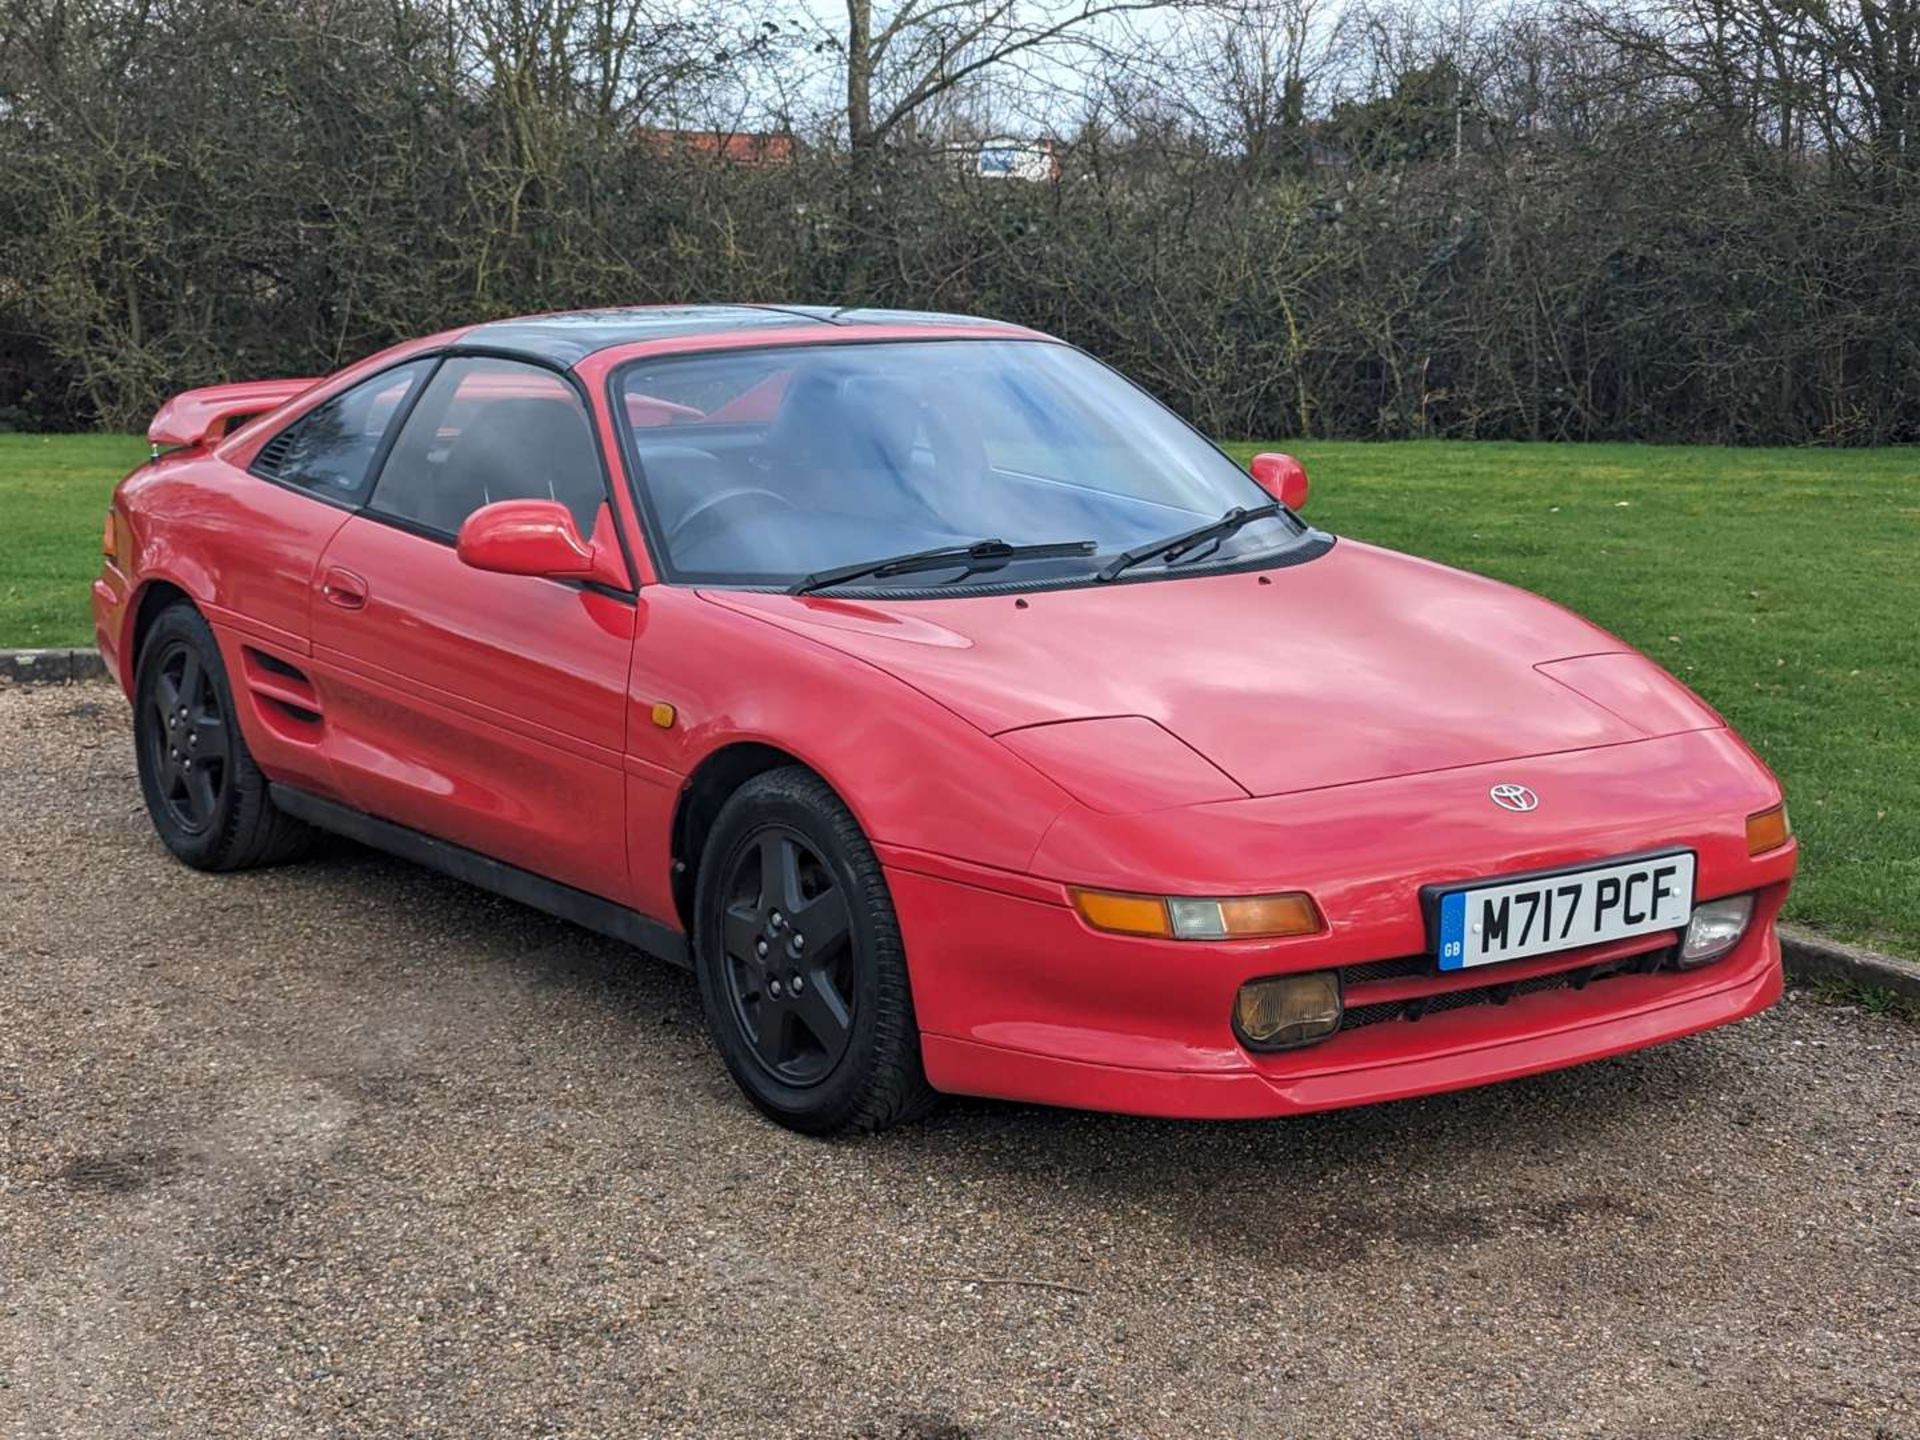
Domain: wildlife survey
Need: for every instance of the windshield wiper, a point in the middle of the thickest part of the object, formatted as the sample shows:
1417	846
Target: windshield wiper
981	555
1174	546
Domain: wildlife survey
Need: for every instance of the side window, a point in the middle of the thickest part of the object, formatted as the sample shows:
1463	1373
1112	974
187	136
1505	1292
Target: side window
488	430
330	450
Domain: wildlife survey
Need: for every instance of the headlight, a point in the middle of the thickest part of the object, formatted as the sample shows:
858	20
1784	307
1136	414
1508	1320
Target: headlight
1287	1010
1715	929
1240	917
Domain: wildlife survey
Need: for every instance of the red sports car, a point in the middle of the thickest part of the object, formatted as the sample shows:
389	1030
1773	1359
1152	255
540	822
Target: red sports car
963	718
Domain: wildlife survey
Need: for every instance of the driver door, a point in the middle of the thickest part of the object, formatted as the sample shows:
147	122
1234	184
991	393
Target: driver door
485	709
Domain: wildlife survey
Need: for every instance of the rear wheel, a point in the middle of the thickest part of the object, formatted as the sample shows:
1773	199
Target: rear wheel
207	798
803	975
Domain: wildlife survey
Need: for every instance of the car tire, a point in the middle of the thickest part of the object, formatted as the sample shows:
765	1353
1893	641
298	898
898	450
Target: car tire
789	889
219	817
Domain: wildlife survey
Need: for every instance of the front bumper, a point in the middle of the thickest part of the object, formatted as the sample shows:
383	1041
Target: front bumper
1018	998
1453	1050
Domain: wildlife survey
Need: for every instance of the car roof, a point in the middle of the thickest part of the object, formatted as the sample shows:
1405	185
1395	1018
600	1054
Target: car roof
565	338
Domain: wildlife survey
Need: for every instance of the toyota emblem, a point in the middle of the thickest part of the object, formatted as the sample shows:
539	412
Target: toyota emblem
1514	797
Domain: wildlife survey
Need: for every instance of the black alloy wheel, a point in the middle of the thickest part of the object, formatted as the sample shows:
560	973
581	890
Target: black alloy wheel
803	973
790	963
184	729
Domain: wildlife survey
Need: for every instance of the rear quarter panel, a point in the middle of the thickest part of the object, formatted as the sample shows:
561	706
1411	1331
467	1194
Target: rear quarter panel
243	551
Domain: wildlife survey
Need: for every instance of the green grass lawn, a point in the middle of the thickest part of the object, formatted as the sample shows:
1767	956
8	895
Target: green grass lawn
1784	585
53	497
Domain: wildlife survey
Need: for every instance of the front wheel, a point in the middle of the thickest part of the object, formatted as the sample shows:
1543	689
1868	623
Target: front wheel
803	975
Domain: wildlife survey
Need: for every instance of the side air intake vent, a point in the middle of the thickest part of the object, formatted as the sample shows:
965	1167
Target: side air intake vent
284	698
274	665
273	455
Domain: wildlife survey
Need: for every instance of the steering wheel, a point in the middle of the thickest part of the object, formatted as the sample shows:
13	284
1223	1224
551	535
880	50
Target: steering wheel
706	511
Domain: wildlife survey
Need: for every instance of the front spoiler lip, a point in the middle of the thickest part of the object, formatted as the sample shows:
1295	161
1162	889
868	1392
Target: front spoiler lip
974	1067
1737	973
1534	1054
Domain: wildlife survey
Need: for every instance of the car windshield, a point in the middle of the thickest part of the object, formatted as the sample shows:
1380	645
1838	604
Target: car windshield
769	466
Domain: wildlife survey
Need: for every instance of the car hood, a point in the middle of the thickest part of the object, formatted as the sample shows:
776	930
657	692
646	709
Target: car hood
1359	664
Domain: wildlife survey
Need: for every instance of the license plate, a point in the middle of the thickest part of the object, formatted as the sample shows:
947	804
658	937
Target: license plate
1483	924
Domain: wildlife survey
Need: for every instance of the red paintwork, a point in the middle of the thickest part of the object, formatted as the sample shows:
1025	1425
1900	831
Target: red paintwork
1281	476
194	417
538	537
1331	726
487	709
1121	764
1360	664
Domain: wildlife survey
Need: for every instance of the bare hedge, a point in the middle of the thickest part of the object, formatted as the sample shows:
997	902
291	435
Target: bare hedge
207	190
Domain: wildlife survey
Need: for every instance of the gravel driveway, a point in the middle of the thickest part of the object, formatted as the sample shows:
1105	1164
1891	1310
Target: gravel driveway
349	1149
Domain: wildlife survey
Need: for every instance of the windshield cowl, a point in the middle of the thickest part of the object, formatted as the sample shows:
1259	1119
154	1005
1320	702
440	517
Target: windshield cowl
1030	577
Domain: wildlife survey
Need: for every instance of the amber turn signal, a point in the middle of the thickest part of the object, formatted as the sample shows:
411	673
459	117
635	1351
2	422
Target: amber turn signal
1123	914
1241	917
1287	1010
107	538
1768	830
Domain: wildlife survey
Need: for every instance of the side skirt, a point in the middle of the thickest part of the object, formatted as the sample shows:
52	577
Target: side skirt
641	931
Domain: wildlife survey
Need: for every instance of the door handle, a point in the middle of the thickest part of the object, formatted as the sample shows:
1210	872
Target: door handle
344	588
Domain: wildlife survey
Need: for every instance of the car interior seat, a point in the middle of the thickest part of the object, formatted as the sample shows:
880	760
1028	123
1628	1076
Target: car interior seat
523	448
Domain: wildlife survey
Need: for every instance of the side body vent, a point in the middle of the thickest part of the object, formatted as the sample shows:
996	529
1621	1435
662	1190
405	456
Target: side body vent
273	455
283	696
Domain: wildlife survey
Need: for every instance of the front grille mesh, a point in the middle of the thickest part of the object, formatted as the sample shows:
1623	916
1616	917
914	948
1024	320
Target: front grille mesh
1497	992
1387	969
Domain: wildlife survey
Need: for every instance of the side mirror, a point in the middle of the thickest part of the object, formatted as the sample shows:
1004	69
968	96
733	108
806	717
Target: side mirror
537	537
1282	477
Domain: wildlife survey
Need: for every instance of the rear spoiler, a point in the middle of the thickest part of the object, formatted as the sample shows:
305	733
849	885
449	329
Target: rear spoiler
200	417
